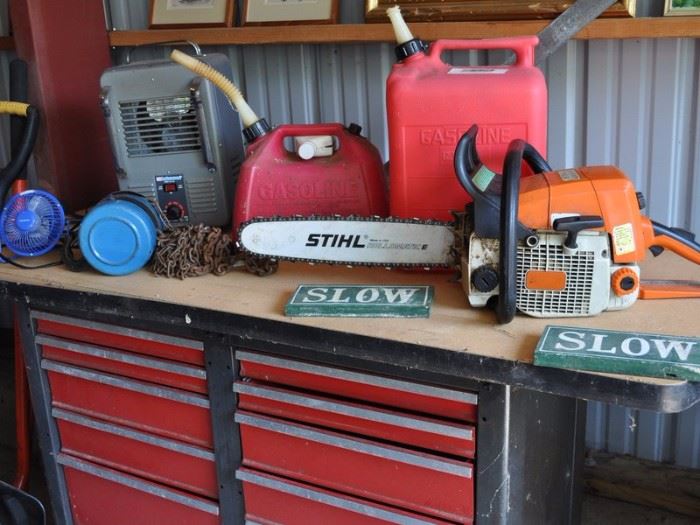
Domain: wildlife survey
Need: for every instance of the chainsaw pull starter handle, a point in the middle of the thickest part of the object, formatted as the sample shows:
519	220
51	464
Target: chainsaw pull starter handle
574	225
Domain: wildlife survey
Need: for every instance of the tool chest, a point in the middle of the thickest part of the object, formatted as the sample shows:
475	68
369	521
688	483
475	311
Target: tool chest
133	420
360	447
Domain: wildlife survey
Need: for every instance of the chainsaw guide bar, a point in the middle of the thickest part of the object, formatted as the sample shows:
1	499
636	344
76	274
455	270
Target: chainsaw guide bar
352	241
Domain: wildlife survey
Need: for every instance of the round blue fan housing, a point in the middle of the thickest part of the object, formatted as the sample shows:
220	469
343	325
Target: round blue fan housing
117	237
31	223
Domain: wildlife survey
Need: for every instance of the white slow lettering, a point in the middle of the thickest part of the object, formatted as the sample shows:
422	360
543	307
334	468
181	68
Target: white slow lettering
362	296
626	346
598	345
318	294
403	294
337	296
680	347
577	340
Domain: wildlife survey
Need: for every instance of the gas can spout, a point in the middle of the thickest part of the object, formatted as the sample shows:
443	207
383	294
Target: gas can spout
253	126
401	30
407	44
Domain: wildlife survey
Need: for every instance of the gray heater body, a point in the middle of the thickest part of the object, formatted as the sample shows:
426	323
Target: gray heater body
175	137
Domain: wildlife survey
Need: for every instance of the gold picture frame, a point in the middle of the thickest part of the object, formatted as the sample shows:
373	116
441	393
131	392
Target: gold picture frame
286	12
481	10
681	8
190	13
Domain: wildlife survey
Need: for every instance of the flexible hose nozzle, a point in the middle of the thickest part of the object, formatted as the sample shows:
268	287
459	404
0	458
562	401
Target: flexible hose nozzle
401	30
14	108
248	116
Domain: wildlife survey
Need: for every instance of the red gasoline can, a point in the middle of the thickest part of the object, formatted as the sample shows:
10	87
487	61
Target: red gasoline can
276	181
430	104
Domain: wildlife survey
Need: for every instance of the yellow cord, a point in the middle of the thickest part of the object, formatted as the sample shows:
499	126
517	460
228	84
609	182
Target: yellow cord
248	116
14	108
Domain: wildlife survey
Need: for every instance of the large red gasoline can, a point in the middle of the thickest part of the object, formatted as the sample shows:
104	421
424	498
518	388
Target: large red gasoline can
276	179
430	104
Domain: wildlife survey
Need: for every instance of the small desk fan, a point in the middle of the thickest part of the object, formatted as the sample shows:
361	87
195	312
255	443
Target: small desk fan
31	223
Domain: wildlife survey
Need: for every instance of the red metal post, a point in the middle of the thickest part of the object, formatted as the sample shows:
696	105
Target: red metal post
66	47
21	413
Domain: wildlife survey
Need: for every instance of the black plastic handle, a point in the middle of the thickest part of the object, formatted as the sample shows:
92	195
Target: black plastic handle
508	252
574	225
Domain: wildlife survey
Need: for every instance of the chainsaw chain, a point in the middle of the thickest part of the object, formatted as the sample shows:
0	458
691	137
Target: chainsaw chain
270	263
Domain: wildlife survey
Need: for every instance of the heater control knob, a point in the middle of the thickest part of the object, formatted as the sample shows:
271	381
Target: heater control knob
484	278
174	211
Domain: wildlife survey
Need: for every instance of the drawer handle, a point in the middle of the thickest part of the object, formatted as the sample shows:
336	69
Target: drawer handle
363	447
122	357
120	330
127	384
150	439
356	377
136	484
355	411
327	499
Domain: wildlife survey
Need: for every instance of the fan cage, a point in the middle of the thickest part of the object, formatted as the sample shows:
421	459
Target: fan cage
45	230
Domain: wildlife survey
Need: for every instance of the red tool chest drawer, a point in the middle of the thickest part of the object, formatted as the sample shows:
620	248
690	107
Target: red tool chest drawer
158	459
139	341
432	400
421	482
99	494
145	406
128	364
270	499
403	428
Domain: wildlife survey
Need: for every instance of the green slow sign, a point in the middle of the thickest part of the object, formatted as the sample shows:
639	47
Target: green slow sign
364	300
639	354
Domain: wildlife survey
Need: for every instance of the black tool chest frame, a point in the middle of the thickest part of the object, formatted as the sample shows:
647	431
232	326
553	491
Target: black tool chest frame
531	421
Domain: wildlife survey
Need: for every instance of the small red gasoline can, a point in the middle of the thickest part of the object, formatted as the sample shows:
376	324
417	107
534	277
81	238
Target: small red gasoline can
430	104
346	179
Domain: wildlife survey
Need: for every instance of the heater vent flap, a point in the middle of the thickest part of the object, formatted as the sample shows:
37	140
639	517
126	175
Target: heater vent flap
160	126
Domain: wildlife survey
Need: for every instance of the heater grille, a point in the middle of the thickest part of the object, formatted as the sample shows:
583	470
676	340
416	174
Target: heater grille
160	126
574	299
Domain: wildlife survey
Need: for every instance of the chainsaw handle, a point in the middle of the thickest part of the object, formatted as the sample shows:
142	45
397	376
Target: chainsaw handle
669	238
467	161
508	251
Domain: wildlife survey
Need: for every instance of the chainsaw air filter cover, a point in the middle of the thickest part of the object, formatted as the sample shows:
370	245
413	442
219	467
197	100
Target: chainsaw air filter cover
118	236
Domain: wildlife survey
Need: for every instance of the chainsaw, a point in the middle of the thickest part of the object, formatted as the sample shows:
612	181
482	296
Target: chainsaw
555	244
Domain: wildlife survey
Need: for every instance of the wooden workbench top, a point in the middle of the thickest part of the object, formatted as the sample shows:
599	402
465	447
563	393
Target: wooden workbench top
453	325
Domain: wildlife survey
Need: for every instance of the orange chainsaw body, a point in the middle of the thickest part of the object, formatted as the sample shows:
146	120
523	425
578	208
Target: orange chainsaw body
604	191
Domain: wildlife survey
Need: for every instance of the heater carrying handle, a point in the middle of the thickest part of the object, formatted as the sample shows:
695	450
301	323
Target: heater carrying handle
194	45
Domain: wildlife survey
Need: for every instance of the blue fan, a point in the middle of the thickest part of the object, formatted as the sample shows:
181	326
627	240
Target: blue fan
31	223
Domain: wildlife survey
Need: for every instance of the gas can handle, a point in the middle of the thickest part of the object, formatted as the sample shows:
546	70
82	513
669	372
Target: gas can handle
290	130
522	46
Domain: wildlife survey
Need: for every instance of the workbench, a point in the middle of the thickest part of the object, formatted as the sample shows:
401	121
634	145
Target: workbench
198	401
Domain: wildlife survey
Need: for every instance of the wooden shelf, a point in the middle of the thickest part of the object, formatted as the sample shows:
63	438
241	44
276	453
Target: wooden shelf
345	33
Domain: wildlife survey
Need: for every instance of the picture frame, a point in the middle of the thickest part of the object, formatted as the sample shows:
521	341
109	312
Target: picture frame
286	12
481	10
190	13
682	8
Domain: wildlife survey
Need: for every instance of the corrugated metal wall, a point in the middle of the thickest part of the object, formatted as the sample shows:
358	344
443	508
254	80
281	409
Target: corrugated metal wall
631	103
